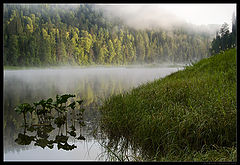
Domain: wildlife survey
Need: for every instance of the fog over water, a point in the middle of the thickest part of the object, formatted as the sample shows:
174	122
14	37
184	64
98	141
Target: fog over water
90	84
66	80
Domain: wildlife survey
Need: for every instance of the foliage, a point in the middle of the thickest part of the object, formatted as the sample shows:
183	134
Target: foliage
23	109
186	110
224	39
44	113
45	118
24	139
43	34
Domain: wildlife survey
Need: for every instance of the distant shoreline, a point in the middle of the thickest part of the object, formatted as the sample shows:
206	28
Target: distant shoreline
95	66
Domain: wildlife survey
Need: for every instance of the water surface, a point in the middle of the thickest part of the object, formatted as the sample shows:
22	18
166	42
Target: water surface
90	84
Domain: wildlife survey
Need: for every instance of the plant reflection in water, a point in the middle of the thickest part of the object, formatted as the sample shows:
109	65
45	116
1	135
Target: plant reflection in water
49	120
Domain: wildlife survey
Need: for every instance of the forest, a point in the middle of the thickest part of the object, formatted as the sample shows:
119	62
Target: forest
50	35
145	94
224	38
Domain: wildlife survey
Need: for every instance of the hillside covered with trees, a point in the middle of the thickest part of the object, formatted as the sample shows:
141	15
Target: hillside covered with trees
44	35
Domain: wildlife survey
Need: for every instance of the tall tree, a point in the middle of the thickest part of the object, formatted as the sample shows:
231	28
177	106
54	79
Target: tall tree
13	52
47	34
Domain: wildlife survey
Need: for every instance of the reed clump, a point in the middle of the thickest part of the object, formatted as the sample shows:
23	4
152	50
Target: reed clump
185	111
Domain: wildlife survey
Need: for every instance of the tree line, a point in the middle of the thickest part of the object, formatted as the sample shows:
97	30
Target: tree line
43	35
224	39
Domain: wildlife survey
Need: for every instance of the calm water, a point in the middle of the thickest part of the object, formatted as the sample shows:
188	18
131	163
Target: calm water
90	84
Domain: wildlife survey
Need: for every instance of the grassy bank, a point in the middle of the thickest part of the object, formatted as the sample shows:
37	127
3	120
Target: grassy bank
189	115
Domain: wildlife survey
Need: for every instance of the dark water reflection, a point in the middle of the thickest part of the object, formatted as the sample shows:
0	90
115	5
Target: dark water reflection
90	84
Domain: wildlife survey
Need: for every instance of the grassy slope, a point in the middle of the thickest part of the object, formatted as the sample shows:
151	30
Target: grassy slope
188	115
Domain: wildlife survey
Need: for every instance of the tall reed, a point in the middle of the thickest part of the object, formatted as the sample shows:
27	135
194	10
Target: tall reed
191	108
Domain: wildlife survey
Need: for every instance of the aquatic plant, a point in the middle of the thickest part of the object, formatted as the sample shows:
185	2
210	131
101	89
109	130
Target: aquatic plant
24	109
43	110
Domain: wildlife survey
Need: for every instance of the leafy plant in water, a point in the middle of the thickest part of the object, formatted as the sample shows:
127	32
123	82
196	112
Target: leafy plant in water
66	146
73	106
43	110
58	104
23	139
44	142
80	119
23	109
60	120
61	139
72	132
44	114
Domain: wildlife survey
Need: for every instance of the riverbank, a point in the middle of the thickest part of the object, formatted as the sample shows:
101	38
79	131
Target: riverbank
189	115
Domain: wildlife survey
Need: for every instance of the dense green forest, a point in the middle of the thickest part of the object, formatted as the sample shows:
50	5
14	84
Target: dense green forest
43	35
224	39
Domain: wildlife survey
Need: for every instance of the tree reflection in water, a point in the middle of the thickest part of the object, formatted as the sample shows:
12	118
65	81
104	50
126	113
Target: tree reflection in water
91	84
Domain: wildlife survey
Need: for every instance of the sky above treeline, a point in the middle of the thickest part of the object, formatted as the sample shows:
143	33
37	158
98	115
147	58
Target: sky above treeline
202	13
198	14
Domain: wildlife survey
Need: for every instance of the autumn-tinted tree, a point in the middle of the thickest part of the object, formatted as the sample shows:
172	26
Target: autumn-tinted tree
52	35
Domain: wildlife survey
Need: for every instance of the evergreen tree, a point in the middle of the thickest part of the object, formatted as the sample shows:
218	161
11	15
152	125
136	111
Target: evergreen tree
111	52
47	35
224	39
13	50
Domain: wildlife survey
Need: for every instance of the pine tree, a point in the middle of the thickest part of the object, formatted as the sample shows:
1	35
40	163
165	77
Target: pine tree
47	35
111	52
13	50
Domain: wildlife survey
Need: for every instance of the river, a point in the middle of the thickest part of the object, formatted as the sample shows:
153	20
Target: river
92	84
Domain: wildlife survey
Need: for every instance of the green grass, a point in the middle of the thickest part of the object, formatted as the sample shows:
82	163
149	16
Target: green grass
175	117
